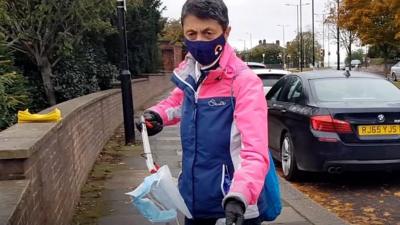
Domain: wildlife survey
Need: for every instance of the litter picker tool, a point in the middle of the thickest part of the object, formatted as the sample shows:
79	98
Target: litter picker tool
158	197
151	166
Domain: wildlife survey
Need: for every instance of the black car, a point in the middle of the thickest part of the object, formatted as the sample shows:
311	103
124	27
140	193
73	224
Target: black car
334	121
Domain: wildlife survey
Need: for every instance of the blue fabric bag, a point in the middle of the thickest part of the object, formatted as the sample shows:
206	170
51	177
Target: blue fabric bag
269	202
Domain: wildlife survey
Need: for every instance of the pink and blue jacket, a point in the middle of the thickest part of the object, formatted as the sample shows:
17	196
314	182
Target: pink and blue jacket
224	136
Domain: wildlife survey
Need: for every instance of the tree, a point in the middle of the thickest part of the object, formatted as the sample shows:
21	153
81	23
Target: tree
83	72
347	32
293	49
144	24
396	5
14	93
376	23
359	54
46	30
273	53
173	32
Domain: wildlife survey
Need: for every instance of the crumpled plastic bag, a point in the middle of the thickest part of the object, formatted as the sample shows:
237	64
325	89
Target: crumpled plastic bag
27	117
158	197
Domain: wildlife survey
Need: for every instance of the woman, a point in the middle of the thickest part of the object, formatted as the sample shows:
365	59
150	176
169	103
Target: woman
223	113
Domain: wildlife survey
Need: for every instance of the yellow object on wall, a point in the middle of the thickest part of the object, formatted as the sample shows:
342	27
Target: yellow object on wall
27	117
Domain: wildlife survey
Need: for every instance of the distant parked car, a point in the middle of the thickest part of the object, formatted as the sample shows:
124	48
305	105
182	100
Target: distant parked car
327	121
269	77
355	63
395	71
256	65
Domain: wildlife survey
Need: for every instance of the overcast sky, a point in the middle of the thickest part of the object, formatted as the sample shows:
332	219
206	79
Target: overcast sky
260	19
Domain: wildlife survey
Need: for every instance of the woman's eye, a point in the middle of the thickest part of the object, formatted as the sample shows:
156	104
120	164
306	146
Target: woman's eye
191	35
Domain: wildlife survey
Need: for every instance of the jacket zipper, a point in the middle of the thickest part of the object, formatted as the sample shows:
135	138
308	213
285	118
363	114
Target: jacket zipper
196	96
196	99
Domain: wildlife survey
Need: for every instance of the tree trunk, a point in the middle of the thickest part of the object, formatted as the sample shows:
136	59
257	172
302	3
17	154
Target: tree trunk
46	72
386	68
350	53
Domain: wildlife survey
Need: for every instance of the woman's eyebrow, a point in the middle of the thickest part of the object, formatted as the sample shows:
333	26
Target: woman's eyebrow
190	30
207	29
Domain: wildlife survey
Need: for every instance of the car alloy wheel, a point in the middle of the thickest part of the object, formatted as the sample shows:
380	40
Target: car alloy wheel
286	156
289	165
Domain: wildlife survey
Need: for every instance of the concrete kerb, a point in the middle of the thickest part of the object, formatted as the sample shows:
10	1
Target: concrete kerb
306	207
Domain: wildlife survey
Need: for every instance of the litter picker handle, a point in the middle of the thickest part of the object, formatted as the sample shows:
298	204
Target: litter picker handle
151	166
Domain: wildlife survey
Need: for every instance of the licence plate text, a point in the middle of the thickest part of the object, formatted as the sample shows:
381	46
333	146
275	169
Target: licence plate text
375	130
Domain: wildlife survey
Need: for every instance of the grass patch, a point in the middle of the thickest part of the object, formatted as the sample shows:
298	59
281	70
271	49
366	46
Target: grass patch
91	204
397	84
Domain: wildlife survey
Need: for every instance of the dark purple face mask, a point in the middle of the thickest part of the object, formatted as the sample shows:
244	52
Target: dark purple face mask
206	52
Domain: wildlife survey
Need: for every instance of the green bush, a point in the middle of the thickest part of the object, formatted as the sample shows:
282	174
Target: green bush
84	72
377	61
14	94
144	25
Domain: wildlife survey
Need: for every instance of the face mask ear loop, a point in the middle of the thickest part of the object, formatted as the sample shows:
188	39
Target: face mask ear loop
212	64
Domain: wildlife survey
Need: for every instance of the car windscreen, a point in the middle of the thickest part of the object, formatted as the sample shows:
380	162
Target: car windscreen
270	79
256	66
354	89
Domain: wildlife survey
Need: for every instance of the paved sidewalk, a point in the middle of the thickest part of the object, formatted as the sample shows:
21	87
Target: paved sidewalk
166	148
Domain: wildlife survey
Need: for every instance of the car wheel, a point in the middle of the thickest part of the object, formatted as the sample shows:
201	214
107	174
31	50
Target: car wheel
394	76
289	165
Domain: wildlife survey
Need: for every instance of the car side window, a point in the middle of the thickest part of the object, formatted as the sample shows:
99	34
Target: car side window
275	91
294	91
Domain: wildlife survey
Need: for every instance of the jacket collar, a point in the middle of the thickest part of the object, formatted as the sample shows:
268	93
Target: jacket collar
225	69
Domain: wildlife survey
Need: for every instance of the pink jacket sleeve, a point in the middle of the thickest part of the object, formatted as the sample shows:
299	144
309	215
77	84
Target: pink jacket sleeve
170	108
251	120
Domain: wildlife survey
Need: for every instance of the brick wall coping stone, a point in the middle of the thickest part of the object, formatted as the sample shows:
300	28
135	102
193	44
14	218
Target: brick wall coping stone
20	140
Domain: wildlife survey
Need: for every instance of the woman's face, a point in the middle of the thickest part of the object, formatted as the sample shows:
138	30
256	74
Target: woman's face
196	29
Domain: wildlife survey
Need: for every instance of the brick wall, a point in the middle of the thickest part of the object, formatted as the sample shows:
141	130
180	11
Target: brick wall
171	55
56	158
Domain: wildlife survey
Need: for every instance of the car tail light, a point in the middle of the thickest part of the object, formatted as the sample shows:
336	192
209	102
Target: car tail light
328	124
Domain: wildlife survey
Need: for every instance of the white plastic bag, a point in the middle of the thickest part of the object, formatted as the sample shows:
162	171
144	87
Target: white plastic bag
167	187
158	197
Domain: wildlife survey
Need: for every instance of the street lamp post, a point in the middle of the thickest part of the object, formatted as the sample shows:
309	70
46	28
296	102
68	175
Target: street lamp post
244	44
298	33
301	34
251	39
244	49
338	39
125	76
323	35
329	47
301	38
313	33
284	43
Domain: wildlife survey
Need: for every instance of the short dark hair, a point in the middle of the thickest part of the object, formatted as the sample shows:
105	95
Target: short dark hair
207	9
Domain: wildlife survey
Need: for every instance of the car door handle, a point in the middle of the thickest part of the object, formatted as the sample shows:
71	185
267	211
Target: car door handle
283	111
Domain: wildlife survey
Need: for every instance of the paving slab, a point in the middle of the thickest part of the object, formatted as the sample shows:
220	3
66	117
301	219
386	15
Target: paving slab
10	194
